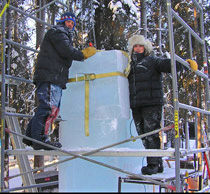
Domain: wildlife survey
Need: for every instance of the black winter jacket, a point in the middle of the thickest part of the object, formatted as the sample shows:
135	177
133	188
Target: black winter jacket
55	56
145	80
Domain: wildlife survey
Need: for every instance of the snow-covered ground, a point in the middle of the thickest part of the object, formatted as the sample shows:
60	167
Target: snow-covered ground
14	170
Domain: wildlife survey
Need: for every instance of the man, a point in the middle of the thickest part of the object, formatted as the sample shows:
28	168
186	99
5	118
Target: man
146	94
50	77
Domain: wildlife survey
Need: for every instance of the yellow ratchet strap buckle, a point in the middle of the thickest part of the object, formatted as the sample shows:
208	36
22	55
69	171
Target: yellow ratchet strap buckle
90	77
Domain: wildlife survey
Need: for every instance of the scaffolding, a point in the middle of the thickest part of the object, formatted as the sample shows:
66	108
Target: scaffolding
176	153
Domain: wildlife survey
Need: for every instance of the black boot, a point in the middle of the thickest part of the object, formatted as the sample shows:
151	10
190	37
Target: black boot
26	141
46	140
150	169
160	166
28	134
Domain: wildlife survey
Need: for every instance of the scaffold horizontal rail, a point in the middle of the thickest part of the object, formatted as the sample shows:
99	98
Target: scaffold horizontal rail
169	127
111	152
184	24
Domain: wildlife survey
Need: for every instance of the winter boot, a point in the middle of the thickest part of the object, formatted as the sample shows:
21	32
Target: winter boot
150	169
160	168
46	140
28	134
160	165
26	141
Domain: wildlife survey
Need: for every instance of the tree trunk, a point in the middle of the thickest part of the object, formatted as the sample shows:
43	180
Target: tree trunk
40	27
158	26
143	18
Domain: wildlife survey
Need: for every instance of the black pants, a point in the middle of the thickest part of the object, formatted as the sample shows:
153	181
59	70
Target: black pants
148	119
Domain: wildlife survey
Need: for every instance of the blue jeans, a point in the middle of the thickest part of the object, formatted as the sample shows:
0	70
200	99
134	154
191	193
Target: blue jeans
49	96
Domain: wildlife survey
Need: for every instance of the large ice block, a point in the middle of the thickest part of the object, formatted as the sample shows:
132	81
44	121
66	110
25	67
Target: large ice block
107	99
108	123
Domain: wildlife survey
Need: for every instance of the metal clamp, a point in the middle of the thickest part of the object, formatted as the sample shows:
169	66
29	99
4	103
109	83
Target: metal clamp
87	76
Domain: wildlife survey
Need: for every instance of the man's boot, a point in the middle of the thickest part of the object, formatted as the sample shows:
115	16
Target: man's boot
46	140
26	141
28	134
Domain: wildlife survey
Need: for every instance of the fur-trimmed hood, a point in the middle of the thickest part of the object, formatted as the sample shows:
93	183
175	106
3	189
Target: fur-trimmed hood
139	39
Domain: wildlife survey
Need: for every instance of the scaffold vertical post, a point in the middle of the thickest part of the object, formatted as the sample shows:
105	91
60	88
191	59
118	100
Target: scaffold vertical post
205	64
175	95
3	98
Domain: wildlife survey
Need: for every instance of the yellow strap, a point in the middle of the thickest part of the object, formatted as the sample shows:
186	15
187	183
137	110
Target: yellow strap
128	67
86	107
3	10
93	76
87	78
124	53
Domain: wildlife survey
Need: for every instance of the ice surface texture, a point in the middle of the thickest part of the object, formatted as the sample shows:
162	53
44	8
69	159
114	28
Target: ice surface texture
109	115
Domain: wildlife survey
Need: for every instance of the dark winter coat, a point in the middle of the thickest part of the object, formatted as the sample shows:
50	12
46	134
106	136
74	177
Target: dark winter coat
145	80
55	56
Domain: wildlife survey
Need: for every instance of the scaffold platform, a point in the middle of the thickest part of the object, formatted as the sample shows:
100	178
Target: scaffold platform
167	176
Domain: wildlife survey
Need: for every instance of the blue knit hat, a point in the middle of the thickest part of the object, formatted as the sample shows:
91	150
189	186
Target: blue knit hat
67	16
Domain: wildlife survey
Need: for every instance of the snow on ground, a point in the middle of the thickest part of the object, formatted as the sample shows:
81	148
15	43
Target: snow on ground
14	170
17	181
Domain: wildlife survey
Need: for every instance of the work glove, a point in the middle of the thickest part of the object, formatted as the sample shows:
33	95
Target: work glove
193	64
88	52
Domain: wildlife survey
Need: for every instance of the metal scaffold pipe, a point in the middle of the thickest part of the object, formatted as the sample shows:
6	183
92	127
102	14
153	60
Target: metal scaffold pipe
3	91
175	94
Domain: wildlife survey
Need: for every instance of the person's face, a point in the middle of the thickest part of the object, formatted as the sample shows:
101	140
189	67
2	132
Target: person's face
69	24
138	48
